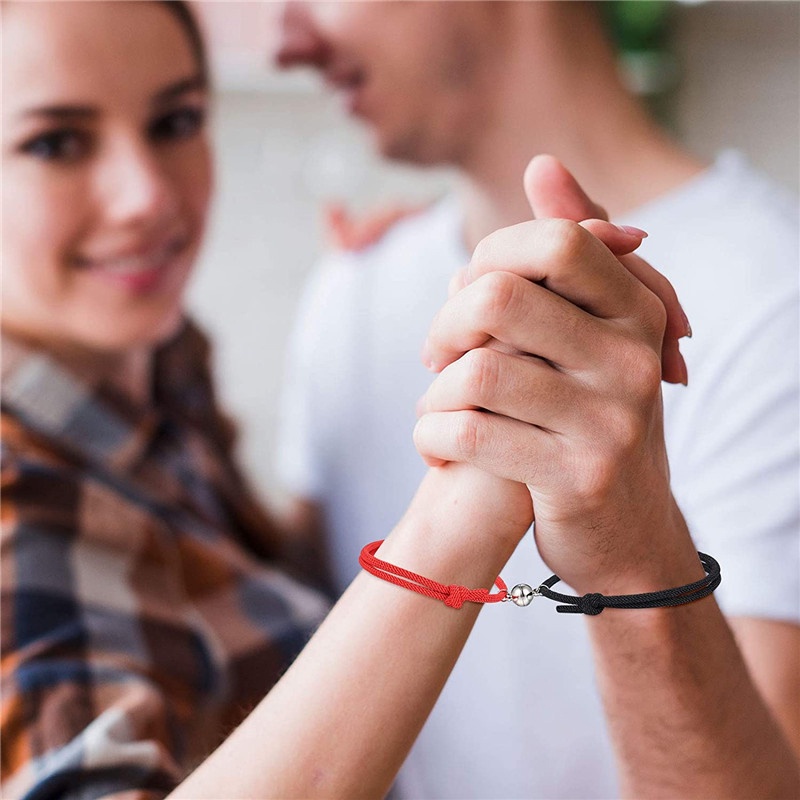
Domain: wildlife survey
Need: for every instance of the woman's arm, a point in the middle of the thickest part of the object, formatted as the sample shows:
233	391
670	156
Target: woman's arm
342	719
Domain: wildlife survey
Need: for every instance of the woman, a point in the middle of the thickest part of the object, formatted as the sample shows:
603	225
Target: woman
144	611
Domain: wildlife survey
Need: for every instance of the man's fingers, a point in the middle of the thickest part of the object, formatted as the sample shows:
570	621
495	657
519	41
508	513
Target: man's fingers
522	315
553	193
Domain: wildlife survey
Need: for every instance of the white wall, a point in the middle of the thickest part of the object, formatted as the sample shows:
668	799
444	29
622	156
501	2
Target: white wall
282	152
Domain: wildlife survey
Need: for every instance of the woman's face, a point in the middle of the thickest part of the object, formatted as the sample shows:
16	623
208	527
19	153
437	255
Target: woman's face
106	171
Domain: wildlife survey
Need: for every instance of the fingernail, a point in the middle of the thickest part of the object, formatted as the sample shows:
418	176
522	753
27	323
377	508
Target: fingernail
687	325
684	370
629	229
425	355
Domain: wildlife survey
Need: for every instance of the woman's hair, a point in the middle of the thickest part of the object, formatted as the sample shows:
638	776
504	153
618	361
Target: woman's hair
181	11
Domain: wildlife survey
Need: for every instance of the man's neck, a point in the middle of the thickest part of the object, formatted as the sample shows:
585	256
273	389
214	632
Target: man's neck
598	131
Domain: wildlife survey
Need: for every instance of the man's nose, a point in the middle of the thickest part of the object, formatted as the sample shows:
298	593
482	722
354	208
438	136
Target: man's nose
299	42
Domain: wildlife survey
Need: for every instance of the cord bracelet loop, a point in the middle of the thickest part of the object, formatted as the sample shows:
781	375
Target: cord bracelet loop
522	594
451	595
594	603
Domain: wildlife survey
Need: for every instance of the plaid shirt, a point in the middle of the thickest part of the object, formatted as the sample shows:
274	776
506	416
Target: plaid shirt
143	613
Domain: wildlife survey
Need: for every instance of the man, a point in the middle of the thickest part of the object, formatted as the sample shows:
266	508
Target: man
483	86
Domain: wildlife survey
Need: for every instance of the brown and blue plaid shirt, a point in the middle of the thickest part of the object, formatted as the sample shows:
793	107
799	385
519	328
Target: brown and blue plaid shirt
143	608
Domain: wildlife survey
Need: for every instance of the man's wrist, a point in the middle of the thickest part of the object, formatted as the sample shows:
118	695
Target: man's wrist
666	558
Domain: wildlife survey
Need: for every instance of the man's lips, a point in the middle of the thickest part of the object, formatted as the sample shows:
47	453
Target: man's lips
349	83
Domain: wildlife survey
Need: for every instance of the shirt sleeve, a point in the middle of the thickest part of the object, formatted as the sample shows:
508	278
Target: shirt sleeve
741	490
82	717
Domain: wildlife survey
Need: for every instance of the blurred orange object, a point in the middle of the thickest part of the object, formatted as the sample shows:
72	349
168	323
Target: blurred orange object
345	232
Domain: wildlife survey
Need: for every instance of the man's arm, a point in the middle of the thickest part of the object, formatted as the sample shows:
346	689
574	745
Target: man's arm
686	716
771	650
575	392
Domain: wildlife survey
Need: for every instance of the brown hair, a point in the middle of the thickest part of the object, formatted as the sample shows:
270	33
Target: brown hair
185	16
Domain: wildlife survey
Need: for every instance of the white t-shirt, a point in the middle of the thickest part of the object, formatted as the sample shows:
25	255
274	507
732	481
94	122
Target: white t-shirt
520	715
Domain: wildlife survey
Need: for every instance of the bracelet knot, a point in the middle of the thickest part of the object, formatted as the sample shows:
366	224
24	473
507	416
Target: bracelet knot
456	596
590	604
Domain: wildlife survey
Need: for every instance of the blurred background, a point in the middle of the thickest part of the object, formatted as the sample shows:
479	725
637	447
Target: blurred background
721	74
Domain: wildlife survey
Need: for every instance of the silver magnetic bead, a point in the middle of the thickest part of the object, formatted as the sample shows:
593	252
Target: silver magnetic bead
522	594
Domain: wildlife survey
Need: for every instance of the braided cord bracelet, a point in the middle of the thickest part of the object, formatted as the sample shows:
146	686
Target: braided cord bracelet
522	594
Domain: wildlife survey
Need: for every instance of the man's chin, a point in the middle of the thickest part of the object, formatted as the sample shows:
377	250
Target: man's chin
406	148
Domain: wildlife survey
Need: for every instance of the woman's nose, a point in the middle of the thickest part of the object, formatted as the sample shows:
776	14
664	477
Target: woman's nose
135	187
299	41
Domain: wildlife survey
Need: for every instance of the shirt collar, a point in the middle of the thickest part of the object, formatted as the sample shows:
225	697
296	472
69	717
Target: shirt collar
73	400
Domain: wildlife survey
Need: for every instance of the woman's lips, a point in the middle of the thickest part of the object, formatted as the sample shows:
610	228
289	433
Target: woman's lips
141	271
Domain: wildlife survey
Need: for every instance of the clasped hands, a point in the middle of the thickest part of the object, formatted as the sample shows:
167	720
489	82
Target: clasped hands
550	353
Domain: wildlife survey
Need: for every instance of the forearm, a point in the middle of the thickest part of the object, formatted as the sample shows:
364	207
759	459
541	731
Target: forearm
343	718
685	717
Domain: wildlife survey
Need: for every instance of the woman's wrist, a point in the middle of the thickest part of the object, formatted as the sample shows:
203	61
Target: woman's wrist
461	527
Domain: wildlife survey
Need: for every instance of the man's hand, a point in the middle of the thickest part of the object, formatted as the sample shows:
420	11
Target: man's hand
575	390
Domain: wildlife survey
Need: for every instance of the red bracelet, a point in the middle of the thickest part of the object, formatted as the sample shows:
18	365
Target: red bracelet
453	596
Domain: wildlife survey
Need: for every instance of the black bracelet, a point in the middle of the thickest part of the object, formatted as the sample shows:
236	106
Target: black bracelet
595	603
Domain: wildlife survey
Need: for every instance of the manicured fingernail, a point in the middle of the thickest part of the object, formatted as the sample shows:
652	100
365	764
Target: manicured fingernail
629	229
687	325
684	370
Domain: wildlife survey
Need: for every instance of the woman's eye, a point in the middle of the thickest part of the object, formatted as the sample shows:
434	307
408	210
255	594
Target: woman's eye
63	145
180	124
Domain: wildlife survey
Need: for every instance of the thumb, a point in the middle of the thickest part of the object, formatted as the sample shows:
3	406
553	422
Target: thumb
553	193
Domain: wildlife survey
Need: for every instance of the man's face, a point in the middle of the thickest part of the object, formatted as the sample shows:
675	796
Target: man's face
417	73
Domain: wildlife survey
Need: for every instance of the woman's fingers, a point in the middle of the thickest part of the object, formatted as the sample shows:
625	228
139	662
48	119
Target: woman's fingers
502	446
565	258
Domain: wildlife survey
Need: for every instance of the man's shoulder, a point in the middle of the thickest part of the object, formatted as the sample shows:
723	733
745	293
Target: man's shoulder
732	203
732	227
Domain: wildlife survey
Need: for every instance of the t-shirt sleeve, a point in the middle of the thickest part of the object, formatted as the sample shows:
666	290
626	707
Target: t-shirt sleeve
79	720
740	491
305	397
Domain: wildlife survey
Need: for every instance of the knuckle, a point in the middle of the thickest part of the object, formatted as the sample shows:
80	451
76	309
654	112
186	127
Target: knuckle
497	293
626	432
594	477
484	254
468	434
645	376
639	371
564	241
419	437
481	369
654	314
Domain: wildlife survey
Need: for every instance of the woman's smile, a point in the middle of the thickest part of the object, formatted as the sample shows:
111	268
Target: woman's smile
140	269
